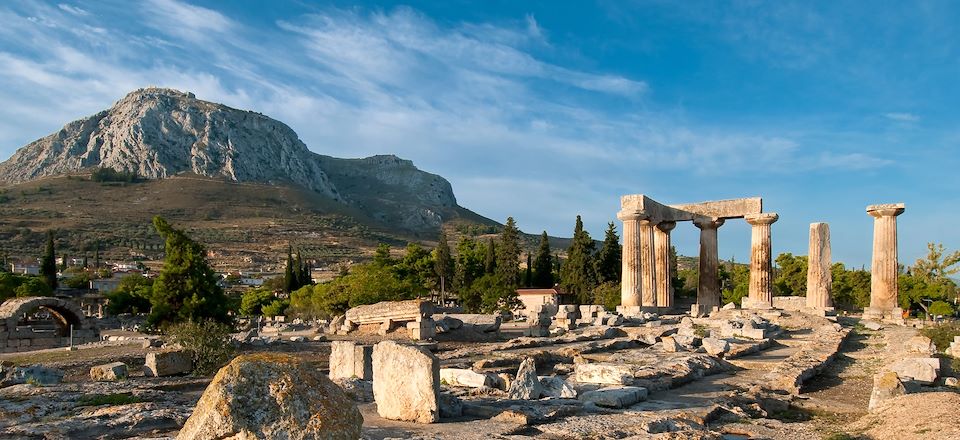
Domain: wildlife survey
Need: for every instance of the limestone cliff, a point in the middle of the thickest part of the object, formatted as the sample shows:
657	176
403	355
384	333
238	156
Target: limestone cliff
158	133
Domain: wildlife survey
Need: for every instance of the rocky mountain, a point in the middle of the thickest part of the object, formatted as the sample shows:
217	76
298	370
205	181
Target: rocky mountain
159	133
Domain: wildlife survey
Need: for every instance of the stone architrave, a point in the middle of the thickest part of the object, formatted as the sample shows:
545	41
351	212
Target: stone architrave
630	276
708	291
406	383
884	269
761	261
661	243
819	278
648	277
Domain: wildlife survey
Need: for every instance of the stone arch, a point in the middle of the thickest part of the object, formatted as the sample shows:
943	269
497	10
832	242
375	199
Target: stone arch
65	312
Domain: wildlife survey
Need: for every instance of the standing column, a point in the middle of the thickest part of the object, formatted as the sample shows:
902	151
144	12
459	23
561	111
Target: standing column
761	264
630	276
661	244
819	278
648	274
708	291
884	270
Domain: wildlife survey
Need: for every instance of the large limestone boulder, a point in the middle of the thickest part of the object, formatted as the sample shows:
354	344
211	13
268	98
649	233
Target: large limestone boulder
272	396
558	388
526	385
461	377
33	374
168	363
886	385
715	346
603	373
615	397
109	372
406	383
921	370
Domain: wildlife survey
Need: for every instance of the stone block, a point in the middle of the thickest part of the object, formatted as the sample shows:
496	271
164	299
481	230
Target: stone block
526	385
922	345
886	386
467	378
557	388
715	347
669	344
406	383
603	373
615	397
872	325
347	359
422	330
109	372
34	374
168	363
451	406
920	370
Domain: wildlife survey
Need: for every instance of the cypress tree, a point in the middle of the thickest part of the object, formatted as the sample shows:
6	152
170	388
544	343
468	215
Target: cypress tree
443	264
490	258
289	276
528	274
48	264
609	260
578	275
543	264
300	278
508	254
96	256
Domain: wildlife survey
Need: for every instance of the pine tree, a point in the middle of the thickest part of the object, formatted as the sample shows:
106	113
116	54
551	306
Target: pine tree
48	264
508	254
608	260
443	264
543	264
578	275
186	289
469	263
490	258
528	274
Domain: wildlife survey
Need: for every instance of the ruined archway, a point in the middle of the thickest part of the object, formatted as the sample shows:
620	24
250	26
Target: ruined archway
65	314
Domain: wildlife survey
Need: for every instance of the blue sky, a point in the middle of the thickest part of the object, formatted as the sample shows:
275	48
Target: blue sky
543	110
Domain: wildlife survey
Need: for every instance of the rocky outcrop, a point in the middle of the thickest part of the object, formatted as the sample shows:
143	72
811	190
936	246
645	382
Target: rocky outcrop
159	133
272	396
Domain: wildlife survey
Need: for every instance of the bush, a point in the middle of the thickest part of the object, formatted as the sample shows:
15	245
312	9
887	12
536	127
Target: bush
941	308
942	334
208	342
112	175
276	308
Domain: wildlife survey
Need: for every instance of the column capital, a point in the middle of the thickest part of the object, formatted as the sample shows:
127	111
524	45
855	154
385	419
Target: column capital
666	226
886	210
763	218
707	222
631	215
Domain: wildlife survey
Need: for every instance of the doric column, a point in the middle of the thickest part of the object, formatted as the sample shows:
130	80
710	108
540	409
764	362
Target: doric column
648	277
761	264
884	270
661	244
630	276
819	278
708	291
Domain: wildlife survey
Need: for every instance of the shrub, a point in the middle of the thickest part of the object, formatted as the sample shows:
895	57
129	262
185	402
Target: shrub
108	399
941	308
207	341
942	334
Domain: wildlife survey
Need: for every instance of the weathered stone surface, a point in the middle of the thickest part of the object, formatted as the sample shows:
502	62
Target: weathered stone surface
603	373
714	346
466	378
451	406
558	388
526	385
34	374
819	277
109	372
347	359
809	360
168	363
951	382
406	383
922	345
729	306
272	395
886	385
615	397
478	322
396	311
761	267
669	344
872	325
884	267
920	370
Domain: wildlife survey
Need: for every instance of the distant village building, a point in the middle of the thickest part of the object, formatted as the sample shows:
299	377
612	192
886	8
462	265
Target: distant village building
533	299
25	269
105	284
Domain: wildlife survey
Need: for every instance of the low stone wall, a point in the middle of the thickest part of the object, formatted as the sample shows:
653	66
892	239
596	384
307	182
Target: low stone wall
807	362
789	303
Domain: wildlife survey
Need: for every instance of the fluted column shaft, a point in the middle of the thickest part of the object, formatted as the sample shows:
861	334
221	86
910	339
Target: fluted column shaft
661	244
708	290
630	265
761	261
884	270
648	277
819	278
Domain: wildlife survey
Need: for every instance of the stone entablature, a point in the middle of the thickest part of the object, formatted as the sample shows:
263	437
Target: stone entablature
415	315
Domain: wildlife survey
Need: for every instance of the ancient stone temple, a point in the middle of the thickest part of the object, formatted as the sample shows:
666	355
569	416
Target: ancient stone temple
884	267
647	225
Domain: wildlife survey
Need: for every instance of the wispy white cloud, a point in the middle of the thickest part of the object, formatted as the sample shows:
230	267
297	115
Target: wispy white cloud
902	117
75	10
